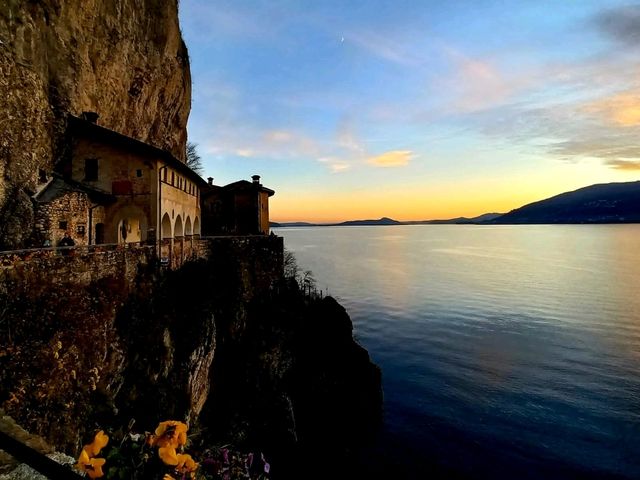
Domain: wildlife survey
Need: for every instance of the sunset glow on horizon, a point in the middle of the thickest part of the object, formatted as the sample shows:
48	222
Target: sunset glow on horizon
414	110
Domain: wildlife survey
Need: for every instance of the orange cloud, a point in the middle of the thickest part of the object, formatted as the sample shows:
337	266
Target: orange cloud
625	165
622	109
394	158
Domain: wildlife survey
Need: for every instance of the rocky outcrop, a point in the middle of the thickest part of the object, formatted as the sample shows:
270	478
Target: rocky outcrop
125	60
296	385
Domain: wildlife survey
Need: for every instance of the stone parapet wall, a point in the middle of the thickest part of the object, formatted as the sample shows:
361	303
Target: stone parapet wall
74	265
257	261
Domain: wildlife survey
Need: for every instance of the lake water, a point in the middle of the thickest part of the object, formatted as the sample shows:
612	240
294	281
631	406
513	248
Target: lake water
506	351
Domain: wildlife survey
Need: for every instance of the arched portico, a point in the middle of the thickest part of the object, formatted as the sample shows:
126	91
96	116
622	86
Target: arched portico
166	227
129	224
178	230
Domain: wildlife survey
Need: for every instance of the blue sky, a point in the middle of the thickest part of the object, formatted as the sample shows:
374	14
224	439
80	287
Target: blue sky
414	110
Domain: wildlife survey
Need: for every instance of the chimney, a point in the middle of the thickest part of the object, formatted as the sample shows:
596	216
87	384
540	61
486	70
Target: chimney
256	179
210	180
91	117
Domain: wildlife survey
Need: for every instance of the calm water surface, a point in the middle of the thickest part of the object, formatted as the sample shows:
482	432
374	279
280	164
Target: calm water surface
506	351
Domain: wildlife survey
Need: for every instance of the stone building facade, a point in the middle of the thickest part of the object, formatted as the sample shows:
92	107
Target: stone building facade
240	208
66	209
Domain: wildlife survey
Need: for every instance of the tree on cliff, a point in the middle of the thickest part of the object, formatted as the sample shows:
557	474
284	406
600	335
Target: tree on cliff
194	161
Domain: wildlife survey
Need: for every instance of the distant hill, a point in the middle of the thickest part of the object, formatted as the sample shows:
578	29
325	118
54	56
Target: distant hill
291	224
389	221
601	203
380	221
486	217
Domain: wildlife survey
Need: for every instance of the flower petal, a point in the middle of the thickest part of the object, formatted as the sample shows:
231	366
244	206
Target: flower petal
168	455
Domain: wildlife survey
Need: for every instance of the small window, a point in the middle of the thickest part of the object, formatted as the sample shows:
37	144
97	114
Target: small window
91	169
173	178
62	225
164	174
42	176
80	230
138	173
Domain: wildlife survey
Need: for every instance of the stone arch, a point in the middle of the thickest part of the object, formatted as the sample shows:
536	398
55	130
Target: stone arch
177	229
166	226
187	226
130	224
196	226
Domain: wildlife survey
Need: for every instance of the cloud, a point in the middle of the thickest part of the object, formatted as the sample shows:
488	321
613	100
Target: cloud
278	136
251	142
622	24
394	158
335	164
385	47
622	109
478	84
346	137
245	152
611	149
625	165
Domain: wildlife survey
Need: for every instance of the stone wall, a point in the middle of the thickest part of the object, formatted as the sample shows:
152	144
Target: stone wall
67	214
75	266
257	260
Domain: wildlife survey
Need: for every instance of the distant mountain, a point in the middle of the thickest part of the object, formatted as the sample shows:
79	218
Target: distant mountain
486	217
380	221
601	203
389	221
291	224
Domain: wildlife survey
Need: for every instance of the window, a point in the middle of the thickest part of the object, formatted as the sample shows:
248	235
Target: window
173	178
138	173
91	169
42	176
62	225
164	174
80	230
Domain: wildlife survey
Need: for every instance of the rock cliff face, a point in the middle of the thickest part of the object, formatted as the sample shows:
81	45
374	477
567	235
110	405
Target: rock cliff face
125	60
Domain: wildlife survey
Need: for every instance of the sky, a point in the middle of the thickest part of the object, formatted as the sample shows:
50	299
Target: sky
414	109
